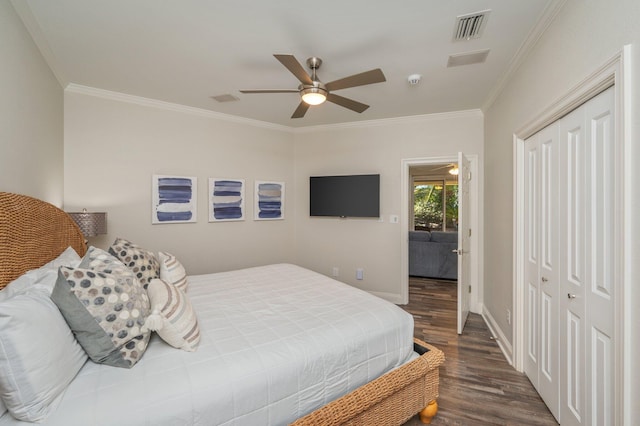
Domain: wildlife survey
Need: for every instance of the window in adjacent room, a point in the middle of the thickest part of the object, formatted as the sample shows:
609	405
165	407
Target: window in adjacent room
435	205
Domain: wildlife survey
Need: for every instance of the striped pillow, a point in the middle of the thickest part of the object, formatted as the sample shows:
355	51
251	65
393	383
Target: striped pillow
172	316
172	271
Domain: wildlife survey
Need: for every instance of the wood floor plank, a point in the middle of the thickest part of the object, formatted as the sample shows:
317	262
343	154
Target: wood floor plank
477	385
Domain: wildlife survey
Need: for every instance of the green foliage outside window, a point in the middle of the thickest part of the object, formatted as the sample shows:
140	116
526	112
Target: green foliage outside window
430	206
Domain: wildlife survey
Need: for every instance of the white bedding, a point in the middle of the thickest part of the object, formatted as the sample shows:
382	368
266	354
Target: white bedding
278	342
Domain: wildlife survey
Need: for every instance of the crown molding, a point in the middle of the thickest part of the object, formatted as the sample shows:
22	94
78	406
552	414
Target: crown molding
169	106
548	16
33	28
411	119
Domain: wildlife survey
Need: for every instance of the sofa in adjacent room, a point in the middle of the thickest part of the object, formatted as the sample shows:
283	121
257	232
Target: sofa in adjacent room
431	254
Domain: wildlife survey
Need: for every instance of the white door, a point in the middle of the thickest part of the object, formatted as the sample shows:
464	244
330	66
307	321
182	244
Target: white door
570	262
541	267
587	308
464	233
532	259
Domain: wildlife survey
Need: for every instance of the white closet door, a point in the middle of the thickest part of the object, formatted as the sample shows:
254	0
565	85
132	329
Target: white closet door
541	271
532	259
588	309
571	184
573	280
549	377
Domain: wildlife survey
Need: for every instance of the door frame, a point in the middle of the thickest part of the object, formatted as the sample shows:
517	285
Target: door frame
617	73
476	219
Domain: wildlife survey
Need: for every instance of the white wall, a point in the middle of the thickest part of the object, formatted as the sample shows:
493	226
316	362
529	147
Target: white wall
113	144
373	147
113	147
31	105
583	37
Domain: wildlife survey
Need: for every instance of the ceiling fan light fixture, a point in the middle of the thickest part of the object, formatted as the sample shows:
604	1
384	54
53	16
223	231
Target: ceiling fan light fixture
314	95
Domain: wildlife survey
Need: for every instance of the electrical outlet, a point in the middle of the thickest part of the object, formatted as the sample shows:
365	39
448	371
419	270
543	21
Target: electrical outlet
359	274
508	316
335	272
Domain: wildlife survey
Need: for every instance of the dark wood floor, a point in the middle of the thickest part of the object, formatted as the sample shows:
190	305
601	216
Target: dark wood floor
477	385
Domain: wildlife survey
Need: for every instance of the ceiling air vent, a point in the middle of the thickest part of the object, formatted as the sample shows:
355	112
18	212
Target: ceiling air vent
467	58
470	26
225	98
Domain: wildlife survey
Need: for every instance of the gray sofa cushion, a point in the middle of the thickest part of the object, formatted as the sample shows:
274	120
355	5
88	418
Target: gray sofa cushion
419	236
431	254
444	237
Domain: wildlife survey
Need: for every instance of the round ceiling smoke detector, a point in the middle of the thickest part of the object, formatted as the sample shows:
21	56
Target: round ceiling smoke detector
414	79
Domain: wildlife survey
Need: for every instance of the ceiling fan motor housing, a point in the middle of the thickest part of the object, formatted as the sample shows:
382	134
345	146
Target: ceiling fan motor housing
314	63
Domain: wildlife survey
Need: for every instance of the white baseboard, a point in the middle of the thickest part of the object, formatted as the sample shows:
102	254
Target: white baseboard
498	334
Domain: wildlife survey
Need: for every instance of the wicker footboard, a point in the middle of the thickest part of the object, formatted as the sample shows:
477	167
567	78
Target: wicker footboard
391	399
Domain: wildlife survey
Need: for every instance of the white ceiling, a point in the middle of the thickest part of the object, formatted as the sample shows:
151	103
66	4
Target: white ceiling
186	51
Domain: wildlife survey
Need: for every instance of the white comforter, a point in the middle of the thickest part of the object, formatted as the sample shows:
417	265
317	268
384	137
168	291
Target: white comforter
278	342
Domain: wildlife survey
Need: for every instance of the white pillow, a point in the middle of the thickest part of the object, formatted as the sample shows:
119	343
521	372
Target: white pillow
172	271
46	274
39	355
172	316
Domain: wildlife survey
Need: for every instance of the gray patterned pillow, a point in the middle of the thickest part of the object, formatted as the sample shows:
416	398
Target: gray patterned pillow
143	263
105	307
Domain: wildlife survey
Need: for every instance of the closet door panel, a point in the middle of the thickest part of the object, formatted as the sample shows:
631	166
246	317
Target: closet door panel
532	259
549	380
602	255
573	272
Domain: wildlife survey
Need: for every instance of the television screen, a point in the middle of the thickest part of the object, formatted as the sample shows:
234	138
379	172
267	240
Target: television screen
344	196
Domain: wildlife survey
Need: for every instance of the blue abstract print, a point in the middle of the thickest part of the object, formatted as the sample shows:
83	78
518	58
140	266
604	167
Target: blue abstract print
270	200
227	199
174	199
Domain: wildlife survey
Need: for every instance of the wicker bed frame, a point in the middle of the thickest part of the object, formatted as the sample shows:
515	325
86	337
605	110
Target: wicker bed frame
33	232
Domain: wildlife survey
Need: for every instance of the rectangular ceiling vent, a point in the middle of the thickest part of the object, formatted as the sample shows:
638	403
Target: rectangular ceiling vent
470	26
225	98
467	58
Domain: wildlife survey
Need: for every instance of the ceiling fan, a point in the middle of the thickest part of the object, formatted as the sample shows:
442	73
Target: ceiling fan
453	168
314	92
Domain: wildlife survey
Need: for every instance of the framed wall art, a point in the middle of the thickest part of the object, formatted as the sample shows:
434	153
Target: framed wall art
226	199
174	199
269	200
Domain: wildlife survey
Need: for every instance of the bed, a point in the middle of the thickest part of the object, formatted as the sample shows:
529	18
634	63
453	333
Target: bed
278	344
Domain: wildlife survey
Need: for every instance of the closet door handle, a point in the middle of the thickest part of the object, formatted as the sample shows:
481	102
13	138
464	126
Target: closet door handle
571	296
457	251
545	279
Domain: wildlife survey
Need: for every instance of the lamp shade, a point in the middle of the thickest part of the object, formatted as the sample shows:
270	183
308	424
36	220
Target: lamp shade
90	223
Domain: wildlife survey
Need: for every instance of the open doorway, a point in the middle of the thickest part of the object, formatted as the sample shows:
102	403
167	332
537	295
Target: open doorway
433	222
433	239
448	222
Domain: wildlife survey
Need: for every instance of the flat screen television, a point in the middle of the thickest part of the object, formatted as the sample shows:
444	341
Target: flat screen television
345	196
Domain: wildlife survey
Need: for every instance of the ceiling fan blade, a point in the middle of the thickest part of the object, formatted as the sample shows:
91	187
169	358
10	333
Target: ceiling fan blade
301	110
292	64
447	166
347	103
271	91
367	77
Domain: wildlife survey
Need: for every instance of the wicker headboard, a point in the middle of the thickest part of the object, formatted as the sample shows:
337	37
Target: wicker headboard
32	233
